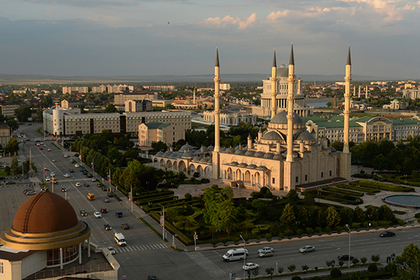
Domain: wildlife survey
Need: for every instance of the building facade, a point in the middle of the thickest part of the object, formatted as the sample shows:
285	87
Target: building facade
121	98
132	106
70	90
156	131
9	110
229	117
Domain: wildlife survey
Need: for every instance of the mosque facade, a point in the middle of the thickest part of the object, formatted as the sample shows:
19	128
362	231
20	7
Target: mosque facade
283	157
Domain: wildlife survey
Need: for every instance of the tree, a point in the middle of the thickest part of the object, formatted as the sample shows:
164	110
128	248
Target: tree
333	219
110	108
293	197
407	264
12	146
337	145
354	276
375	258
288	218
346	215
23	113
159	146
12	124
359	214
291	267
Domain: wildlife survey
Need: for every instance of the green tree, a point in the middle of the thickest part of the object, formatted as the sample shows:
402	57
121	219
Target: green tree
23	113
359	214
12	124
355	276
385	213
333	218
371	213
110	108
12	146
293	197
346	215
159	146
407	264
337	145
288	218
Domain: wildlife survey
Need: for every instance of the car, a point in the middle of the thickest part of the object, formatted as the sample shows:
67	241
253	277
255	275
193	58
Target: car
266	249
307	248
84	172
53	160
125	226
345	257
76	165
41	148
104	210
78	184
250	266
110	194
9	182
30	192
71	170
118	214
63	190
266	254
66	175
89	175
86	185
93	179
45	145
83	213
81	170
66	156
99	185
152	277
104	189
387	234
72	161
112	250
52	174
107	227
49	150
25	190
106	200
97	215
47	179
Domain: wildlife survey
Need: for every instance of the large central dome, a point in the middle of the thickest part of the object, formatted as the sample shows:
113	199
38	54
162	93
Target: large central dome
281	118
44	212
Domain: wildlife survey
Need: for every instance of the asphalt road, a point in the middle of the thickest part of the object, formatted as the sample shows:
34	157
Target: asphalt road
146	254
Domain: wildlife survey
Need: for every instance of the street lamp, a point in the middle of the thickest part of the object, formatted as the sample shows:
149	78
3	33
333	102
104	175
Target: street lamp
349	242
163	222
244	252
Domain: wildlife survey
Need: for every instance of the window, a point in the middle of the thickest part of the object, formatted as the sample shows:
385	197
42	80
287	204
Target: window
322	174
297	179
306	177
1	268
330	173
274	180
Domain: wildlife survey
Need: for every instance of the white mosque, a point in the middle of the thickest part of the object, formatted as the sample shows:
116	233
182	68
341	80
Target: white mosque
285	157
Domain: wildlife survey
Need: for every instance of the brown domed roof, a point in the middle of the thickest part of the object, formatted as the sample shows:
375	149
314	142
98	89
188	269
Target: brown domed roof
44	212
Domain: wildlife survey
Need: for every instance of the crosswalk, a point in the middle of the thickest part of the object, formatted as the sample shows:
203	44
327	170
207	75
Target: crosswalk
128	249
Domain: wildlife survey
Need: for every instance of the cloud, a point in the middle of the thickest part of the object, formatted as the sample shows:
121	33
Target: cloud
275	15
223	22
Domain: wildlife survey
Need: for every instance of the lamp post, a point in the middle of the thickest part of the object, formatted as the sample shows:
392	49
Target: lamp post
244	252
163	222
349	242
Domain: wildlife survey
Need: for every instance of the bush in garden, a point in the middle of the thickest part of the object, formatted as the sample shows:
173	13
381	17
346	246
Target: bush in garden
335	272
291	267
309	231
372	267
299	232
296	278
305	267
280	270
363	260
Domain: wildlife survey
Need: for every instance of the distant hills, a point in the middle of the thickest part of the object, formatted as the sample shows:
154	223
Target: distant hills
208	78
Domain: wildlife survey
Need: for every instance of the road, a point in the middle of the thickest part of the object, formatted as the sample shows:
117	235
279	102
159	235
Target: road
146	254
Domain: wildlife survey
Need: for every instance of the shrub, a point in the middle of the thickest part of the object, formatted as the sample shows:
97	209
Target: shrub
363	260
299	232
355	261
328	263
340	263
280	270
305	267
316	278
288	232
268	236
327	229
269	271
188	196
309	231
339	229
291	267
375	258
318	229
335	272
372	267
296	278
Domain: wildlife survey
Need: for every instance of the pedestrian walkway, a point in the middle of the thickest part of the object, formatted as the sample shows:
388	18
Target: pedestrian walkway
128	249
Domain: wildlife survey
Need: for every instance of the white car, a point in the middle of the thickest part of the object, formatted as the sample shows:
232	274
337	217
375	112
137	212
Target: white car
97	215
78	184
66	156
250	266
93	179
76	165
266	249
307	248
67	175
52	174
112	250
47	179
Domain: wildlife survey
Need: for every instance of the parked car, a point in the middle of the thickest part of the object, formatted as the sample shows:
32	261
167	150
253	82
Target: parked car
89	175
97	215
345	257
266	249
250	266
83	213
107	227
387	234
30	192
307	248
125	226
78	184
112	250
106	200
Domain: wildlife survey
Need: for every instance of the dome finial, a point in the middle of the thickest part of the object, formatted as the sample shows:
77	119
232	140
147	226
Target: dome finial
217	56
349	57
274	59
292	59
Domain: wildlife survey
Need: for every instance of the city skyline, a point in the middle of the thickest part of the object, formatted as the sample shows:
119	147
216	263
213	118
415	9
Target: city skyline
129	38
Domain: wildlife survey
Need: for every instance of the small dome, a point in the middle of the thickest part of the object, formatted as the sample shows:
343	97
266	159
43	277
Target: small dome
175	154
223	149
268	155
196	159
188	155
278	157
281	118
261	167
208	159
234	163
252	166
305	136
259	154
249	153
210	148
160	153
239	152
243	164
186	148
283	72
203	149
203	160
43	213
167	154
272	135
230	150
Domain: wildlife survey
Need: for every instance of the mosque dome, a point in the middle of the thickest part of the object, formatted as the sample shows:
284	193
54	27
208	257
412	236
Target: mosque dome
188	155
196	158
175	154
272	135
252	166
239	152
234	163
167	154
282	71
160	153
281	118
305	135
44	212
249	153
268	155
210	148
278	157
186	148
259	154
261	167
243	164
230	150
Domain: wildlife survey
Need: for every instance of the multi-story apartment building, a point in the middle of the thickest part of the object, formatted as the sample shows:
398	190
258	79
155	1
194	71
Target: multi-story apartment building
160	88
121	98
229	117
69	90
8	110
363	129
132	106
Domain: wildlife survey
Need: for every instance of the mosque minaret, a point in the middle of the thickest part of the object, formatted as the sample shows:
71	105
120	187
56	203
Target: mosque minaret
273	86
216	163
290	105
347	79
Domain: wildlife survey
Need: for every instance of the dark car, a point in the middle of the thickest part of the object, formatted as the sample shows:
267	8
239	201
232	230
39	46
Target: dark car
71	170
387	234
86	185
104	210
9	182
125	226
104	189
84	172
99	185
89	175
83	213
106	200
345	257
110	194
107	227
81	170
151	277
119	214
63	190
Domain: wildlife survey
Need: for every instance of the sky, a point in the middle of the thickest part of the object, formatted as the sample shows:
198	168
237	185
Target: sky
180	37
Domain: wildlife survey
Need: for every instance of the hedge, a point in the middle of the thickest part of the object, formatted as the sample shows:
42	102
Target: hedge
357	188
343	191
150	194
155	199
182	237
383	186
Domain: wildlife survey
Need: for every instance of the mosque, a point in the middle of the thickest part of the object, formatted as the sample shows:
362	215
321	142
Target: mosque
284	157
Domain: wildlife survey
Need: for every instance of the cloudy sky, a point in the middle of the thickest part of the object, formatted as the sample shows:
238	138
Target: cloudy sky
179	37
